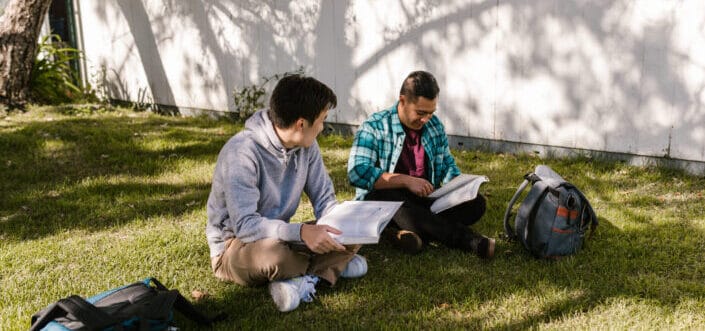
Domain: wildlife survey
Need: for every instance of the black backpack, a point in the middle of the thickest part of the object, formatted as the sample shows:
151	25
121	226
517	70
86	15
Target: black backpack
553	218
145	305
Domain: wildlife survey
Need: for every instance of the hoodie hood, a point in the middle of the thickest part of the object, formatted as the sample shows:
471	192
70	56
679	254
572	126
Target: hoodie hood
262	129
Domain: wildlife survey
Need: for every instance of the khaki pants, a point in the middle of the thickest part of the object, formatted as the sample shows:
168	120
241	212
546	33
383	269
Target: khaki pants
267	260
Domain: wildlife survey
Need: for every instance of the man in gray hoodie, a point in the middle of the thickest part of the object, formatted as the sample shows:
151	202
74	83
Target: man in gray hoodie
257	185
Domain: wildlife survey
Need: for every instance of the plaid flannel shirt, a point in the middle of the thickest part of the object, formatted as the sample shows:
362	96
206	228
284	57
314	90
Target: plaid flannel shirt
378	144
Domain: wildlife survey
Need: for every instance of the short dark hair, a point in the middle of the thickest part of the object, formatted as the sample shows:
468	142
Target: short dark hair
298	96
419	84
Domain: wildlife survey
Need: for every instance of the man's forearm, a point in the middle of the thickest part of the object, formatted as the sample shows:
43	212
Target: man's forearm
418	186
391	181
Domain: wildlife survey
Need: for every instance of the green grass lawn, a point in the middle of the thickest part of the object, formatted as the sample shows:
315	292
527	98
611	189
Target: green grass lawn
93	200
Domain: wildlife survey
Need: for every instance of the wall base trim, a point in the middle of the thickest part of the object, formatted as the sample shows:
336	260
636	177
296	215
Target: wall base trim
696	168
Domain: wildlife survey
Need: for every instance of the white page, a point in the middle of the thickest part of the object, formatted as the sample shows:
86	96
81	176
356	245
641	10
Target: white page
360	221
465	192
454	183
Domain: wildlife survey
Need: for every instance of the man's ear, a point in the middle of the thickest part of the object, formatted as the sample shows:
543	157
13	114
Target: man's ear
402	100
300	123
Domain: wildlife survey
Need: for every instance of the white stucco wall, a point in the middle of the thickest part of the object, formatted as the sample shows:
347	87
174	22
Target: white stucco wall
623	76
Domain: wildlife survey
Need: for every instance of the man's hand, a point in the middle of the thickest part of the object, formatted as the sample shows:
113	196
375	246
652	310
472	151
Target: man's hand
318	240
419	186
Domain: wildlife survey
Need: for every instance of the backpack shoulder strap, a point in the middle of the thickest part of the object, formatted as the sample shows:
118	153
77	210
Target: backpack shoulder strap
185	307
41	319
528	208
528	178
88	314
507	214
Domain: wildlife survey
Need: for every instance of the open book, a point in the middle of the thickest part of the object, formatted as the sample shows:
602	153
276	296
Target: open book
361	222
460	189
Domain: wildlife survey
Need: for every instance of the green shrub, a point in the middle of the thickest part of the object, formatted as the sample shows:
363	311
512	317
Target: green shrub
53	80
249	99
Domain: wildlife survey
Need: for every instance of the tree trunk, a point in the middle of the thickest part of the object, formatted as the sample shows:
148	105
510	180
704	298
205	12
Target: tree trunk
19	31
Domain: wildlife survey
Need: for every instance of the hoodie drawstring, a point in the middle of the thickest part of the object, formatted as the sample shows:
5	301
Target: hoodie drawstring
287	157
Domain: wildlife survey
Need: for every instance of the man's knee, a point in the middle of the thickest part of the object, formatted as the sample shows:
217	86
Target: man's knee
258	262
274	252
261	254
480	204
475	210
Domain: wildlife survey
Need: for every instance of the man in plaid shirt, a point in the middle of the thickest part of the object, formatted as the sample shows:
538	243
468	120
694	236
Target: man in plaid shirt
402	154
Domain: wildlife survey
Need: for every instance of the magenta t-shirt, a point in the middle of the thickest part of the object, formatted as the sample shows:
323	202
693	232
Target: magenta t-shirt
412	160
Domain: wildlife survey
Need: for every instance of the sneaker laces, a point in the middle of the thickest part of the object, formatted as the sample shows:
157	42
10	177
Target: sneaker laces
307	288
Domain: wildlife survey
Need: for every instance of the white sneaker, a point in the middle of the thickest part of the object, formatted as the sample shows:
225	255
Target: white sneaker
357	267
287	294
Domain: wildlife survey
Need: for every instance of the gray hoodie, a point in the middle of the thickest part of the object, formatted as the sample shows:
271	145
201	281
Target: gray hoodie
257	186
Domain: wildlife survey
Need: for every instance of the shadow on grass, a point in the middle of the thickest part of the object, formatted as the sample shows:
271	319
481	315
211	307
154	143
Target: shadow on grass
95	207
95	173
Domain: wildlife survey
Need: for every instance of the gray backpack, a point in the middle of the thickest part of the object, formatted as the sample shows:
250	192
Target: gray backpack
552	220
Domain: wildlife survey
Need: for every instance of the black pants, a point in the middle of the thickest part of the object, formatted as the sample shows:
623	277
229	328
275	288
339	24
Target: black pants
449	227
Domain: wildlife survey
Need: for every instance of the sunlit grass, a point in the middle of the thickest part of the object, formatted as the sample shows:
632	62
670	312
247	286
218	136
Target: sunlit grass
90	201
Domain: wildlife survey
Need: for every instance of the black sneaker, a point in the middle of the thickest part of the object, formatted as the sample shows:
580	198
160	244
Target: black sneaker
407	241
485	248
